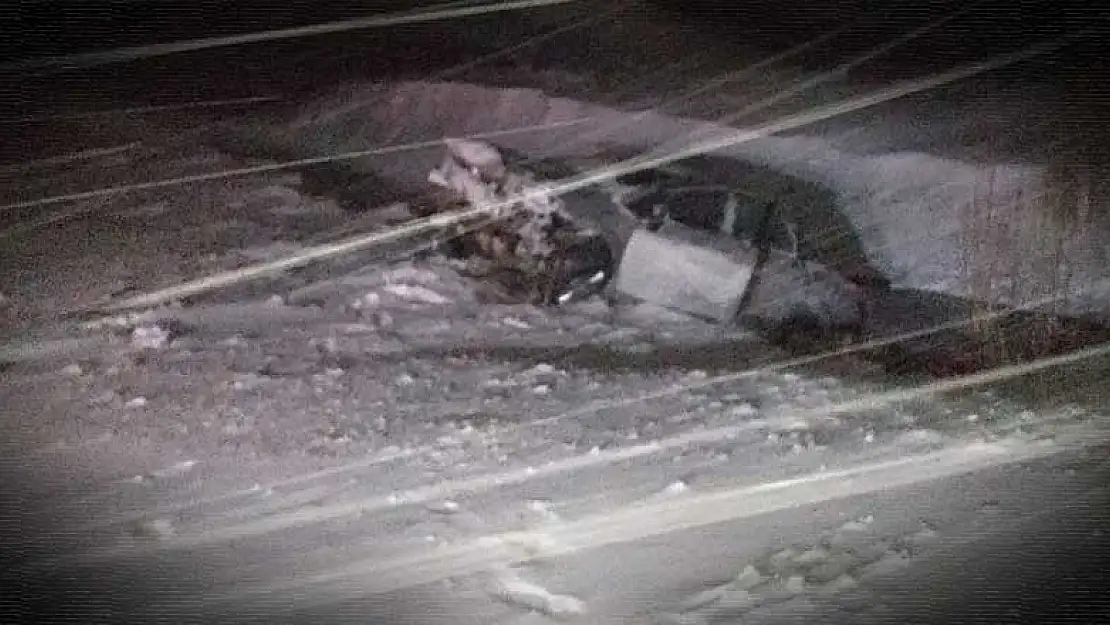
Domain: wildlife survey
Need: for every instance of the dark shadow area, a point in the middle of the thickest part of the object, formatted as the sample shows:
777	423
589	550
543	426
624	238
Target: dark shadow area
986	28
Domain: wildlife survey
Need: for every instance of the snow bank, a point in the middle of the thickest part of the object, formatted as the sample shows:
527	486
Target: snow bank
970	230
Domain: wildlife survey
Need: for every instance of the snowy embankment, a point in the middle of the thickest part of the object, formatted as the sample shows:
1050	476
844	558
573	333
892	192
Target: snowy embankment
1008	234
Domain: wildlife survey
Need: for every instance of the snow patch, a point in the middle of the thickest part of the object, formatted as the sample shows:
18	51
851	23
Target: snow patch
514	590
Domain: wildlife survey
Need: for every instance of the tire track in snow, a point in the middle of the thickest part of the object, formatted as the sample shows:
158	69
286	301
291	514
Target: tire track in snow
654	518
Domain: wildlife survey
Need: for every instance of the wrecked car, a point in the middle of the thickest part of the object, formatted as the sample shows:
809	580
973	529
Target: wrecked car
673	236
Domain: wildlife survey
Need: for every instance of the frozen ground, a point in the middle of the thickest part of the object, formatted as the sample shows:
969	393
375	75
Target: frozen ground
369	440
371	427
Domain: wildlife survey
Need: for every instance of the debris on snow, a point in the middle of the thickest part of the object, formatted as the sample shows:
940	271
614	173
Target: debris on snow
676	488
73	370
749	578
782	559
446	506
686	269
381	320
498	388
482	160
795	584
533	246
743	410
812	555
516	591
367	301
103	398
544	375
844	582
831	568
249	381
328	345
417	294
513	322
858	525
176	469
150	337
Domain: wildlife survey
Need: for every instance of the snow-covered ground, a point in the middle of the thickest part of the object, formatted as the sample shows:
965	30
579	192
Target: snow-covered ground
370	425
369	439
